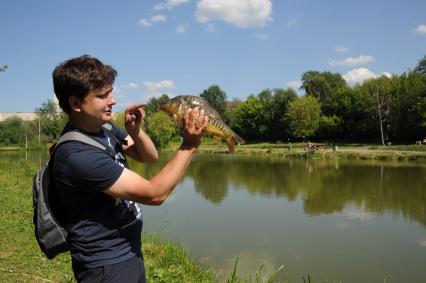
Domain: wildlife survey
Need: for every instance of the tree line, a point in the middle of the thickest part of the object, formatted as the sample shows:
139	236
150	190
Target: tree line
47	127
379	110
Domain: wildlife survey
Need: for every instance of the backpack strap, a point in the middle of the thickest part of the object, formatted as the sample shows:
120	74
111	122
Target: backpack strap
79	136
109	128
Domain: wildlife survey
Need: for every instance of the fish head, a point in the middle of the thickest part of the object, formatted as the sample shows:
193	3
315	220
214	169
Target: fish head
171	107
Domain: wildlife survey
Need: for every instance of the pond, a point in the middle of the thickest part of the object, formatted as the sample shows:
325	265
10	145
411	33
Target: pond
334	220
348	221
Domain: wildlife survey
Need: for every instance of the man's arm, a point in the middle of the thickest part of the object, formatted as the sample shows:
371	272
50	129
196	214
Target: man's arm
132	186
139	145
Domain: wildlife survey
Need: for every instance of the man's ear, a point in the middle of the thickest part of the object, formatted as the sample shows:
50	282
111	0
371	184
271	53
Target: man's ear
75	103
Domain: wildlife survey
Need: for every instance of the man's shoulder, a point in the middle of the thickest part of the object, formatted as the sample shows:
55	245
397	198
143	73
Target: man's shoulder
76	160
76	151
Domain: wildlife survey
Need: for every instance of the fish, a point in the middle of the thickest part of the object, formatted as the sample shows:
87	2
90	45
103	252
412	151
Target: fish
216	127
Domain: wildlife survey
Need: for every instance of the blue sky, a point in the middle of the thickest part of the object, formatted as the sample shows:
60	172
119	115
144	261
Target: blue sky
181	47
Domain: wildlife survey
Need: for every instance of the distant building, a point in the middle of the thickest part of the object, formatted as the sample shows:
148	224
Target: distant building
27	116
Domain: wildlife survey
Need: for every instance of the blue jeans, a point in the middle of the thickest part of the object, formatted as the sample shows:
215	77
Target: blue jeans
128	271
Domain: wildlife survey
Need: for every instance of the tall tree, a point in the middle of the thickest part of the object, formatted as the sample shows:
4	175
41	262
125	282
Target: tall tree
229	115
421	67
3	68
412	98
303	116
324	86
378	95
247	118
265	114
49	122
281	101
12	131
216	98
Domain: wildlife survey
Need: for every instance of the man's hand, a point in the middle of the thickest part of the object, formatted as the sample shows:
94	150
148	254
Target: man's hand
194	123
134	117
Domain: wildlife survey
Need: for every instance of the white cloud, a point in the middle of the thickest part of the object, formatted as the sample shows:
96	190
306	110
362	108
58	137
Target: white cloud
421	29
386	74
358	75
292	22
294	84
154	86
152	20
145	22
169	4
211	27
261	36
352	61
341	49
244	14
158	18
132	85
182	28
358	214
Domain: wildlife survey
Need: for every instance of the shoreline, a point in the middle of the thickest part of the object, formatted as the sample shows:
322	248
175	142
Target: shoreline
298	152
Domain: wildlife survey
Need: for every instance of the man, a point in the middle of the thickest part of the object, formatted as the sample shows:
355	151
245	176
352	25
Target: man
96	195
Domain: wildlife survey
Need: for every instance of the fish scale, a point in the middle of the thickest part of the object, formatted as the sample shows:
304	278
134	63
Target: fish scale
216	126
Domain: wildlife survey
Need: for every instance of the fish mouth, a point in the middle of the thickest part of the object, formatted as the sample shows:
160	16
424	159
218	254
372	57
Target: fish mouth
165	107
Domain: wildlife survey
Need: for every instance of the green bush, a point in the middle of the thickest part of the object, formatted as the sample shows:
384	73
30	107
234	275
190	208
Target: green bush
160	128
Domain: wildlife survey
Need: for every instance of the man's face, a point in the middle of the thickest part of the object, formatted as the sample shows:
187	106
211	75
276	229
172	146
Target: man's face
98	104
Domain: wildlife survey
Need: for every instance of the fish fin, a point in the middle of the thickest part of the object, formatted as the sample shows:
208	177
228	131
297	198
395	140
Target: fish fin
216	138
237	138
231	144
175	117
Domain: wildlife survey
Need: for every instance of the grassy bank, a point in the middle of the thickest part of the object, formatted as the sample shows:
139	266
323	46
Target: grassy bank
297	151
22	261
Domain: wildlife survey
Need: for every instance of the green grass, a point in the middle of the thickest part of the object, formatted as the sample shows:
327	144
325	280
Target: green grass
20	257
413	147
22	261
297	151
166	261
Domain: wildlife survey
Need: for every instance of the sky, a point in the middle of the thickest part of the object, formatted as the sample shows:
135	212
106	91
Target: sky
181	47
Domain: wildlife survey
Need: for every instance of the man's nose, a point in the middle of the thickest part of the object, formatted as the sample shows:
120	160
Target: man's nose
111	100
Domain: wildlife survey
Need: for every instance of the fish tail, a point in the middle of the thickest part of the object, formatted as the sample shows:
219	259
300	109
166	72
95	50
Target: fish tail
232	140
237	138
231	144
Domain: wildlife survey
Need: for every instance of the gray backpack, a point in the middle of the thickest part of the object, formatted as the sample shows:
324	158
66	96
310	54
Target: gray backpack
50	234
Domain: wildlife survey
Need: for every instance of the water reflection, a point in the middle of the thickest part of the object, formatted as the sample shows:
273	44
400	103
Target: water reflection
324	186
249	262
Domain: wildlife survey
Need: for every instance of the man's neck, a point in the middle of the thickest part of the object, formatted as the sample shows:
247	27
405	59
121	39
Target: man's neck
85	125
